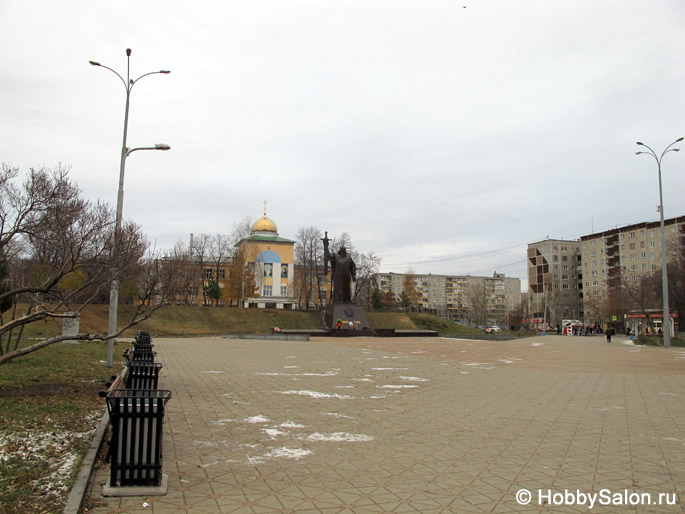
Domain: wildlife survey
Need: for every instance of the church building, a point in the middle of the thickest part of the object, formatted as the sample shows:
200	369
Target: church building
273	261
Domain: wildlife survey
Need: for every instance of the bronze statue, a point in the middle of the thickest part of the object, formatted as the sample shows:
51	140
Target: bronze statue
343	272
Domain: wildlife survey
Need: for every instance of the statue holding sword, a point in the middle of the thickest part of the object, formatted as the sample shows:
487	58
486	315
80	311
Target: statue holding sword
343	272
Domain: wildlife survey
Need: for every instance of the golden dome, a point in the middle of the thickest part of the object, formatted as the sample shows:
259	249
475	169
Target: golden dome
264	225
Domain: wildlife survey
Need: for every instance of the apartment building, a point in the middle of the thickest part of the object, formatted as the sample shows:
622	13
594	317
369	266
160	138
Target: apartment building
571	279
555	274
624	254
481	300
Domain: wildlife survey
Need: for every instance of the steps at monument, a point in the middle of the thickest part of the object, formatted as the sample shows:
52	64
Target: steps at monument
343	332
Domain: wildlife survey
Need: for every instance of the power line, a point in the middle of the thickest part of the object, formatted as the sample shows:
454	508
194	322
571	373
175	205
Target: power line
463	257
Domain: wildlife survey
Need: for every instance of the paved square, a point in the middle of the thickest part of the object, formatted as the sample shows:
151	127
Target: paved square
417	425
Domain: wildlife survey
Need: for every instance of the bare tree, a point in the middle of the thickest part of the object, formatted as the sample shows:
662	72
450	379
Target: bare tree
58	253
309	259
187	272
345	240
368	265
242	281
475	293
220	252
240	230
631	292
676	280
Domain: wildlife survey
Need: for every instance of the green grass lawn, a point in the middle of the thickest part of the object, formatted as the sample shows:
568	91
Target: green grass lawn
49	408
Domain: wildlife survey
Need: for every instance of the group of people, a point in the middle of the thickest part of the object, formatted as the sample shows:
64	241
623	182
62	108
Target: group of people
579	330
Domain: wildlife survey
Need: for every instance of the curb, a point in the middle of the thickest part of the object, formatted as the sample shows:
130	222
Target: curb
78	491
271	337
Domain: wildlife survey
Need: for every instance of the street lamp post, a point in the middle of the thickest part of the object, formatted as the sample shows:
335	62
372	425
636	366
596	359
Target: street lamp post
666	320
125	152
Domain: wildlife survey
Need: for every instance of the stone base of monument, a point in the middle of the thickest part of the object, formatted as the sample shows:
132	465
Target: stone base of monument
346	312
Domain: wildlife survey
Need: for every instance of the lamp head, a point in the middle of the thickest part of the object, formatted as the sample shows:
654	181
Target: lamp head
162	147
166	72
641	144
679	140
93	63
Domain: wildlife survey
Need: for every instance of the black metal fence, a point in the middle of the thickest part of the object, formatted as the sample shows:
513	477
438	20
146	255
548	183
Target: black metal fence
136	410
142	375
136	417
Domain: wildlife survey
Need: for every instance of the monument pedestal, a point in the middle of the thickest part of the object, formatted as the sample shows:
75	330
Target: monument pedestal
346	312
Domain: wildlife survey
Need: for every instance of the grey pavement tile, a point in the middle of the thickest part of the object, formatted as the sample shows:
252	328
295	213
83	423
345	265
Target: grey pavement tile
415	425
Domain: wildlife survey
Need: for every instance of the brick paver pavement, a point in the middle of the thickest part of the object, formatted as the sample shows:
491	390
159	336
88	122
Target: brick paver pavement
416	425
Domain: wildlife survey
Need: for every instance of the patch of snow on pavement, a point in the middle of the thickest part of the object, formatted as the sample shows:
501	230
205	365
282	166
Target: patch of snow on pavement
291	424
316	394
257	419
339	437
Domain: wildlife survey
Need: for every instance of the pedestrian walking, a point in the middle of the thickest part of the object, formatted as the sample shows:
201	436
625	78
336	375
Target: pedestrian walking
609	332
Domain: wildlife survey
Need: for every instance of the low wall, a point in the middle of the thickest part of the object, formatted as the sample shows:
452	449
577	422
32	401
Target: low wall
271	337
482	337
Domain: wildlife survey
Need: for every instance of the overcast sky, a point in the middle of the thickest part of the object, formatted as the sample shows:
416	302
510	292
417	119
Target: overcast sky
444	136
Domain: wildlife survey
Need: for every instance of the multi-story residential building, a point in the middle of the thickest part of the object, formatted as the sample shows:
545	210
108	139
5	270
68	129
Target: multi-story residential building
481	300
624	254
573	279
555	273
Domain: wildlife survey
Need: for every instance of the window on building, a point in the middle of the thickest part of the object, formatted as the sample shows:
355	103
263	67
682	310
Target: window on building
284	290
266	290
221	273
208	273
